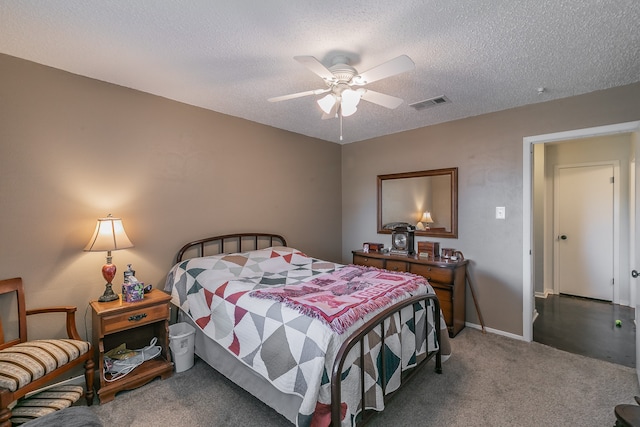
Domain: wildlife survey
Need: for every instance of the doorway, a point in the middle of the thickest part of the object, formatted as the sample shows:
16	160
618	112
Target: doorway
538	280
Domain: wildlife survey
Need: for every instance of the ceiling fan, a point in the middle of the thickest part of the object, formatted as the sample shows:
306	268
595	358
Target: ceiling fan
345	85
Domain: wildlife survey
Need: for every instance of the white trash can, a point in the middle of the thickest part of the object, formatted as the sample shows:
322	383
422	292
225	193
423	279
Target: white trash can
181	342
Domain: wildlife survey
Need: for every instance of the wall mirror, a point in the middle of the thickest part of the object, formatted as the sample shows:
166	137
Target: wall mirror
428	200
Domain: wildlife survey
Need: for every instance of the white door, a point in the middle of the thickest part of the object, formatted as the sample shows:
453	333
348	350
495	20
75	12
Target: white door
584	230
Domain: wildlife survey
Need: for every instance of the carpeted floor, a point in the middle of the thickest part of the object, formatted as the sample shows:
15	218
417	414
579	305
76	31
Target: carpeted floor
489	381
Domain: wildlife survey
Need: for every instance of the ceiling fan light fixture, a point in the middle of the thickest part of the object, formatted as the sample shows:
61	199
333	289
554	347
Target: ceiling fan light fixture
349	103
351	97
347	110
327	102
342	100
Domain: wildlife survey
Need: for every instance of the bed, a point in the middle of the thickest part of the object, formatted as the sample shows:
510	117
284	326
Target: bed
315	340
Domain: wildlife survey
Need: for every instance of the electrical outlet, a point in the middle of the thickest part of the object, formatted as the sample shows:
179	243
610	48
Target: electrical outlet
500	212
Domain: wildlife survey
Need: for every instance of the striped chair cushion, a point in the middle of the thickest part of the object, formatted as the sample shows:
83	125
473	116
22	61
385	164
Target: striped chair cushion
26	362
46	402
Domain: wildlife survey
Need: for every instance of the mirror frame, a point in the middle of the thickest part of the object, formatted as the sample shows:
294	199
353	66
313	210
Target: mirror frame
453	173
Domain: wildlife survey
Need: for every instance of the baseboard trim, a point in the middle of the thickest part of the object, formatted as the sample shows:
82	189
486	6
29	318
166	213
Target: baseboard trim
496	331
544	294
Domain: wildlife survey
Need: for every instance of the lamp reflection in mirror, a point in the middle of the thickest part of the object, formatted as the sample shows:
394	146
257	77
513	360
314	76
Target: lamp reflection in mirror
109	235
425	221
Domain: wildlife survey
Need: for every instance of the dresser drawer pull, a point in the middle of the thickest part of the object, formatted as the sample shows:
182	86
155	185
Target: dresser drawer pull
137	317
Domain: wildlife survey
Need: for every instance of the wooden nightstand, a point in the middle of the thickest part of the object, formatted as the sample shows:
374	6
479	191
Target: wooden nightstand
134	324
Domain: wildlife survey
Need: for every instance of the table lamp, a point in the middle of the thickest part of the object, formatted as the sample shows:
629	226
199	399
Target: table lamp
425	221
108	236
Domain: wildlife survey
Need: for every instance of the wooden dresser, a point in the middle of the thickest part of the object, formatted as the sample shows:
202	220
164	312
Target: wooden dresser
446	277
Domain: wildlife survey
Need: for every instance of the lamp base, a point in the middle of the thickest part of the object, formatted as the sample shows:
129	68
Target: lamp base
108	294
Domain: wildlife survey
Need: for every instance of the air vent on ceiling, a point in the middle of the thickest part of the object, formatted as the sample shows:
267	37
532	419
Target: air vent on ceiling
438	100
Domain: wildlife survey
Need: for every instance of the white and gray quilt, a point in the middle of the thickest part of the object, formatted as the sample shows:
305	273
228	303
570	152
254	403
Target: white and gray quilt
292	350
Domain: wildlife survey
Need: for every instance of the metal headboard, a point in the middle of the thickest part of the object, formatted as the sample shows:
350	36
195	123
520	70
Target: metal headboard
240	241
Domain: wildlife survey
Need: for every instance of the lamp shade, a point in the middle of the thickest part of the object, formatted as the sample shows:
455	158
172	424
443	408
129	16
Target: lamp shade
426	218
109	235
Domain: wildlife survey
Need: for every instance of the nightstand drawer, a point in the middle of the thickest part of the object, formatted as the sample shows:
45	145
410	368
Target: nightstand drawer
132	318
371	262
437	274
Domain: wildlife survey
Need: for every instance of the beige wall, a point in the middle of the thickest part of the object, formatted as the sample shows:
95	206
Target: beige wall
73	149
488	152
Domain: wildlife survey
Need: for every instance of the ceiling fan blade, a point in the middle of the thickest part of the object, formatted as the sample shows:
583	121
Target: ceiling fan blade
390	68
297	95
382	99
316	67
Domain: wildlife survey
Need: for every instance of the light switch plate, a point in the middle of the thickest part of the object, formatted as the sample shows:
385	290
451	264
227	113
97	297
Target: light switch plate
500	212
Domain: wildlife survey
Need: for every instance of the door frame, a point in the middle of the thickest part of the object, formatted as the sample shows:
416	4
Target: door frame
528	301
615	165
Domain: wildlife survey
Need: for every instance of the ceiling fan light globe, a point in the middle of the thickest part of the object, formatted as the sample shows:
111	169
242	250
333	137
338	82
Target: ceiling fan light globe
347	109
327	102
350	97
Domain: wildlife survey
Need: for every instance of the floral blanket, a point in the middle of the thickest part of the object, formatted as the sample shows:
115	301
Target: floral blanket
291	350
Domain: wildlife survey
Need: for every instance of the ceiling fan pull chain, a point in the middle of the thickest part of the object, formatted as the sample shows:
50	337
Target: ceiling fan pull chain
340	126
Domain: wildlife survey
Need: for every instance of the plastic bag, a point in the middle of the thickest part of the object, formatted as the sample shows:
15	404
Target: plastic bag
120	361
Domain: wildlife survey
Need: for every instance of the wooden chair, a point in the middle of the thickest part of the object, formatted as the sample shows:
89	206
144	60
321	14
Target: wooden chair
26	366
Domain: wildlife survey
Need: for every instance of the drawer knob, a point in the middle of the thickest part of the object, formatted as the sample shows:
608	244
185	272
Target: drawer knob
137	317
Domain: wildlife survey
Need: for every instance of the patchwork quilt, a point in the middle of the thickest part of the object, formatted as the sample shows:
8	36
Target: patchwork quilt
285	315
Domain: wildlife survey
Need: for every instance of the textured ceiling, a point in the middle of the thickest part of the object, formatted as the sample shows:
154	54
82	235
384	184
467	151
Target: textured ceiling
231	56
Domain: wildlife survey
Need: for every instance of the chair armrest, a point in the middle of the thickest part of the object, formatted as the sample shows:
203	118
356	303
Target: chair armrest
72	332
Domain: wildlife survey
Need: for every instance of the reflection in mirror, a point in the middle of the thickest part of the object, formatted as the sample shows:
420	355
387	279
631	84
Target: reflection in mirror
427	200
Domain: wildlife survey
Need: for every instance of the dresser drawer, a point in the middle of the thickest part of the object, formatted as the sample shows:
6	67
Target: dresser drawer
393	265
446	305
437	274
142	316
371	262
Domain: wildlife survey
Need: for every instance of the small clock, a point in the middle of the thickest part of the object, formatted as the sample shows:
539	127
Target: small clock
402	240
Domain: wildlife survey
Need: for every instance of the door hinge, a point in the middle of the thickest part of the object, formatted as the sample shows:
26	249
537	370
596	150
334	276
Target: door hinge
613	180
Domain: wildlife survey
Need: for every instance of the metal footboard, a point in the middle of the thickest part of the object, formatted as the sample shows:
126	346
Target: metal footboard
357	338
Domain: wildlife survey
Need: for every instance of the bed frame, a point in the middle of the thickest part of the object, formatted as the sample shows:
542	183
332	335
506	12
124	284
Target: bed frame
253	241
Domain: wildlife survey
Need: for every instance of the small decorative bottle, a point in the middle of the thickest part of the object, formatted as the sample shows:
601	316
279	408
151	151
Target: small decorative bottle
129	272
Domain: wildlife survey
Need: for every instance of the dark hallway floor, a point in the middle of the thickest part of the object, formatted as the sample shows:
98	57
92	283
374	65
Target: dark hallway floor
587	327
